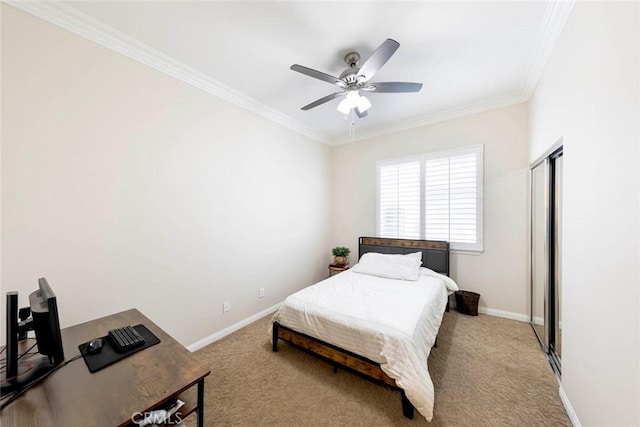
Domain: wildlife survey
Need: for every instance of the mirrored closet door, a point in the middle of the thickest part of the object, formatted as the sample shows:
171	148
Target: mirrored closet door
546	254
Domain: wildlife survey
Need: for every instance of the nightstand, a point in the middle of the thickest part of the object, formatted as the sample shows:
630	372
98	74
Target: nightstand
335	269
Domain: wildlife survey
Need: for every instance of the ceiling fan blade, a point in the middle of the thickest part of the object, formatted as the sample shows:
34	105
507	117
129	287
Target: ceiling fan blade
378	58
322	100
360	114
318	75
394	87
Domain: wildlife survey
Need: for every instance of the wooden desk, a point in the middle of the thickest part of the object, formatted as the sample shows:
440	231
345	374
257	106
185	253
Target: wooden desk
146	380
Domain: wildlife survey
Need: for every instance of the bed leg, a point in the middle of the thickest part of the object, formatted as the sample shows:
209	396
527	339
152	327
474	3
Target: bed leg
274	337
407	407
335	368
446	309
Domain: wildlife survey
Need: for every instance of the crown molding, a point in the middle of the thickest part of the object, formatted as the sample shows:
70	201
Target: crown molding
440	116
79	23
551	27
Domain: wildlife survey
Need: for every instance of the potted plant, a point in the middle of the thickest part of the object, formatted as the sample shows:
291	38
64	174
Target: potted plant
340	254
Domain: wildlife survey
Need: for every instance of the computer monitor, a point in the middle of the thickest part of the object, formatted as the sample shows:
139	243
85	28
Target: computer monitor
25	369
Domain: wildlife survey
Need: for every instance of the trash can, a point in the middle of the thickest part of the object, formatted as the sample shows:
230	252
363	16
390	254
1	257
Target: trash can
467	302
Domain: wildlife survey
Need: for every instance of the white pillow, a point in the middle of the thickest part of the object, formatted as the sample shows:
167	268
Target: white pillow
402	267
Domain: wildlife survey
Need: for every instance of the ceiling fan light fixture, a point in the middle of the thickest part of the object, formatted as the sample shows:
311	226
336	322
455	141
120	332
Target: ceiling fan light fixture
354	100
344	107
363	104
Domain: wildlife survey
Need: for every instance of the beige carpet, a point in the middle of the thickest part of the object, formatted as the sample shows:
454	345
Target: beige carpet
487	371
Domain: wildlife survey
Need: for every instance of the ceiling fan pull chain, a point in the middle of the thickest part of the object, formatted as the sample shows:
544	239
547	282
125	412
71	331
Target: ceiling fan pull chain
352	124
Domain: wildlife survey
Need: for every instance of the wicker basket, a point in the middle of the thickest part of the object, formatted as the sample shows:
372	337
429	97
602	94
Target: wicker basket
467	302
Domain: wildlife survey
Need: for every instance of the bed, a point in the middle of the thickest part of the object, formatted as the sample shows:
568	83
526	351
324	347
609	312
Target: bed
382	328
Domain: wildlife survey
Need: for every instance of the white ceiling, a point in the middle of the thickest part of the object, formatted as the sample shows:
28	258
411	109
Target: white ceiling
470	56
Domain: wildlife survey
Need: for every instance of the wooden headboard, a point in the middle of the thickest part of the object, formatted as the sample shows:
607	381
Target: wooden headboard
435	253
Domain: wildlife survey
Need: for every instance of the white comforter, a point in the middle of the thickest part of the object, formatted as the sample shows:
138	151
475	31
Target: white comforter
392	322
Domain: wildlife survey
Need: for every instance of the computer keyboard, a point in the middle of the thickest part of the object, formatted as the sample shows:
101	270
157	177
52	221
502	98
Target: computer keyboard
126	338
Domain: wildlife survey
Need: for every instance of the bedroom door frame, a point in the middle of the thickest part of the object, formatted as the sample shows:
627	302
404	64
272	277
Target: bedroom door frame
550	340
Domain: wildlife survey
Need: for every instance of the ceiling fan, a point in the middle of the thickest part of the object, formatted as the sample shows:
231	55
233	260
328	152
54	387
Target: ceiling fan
356	79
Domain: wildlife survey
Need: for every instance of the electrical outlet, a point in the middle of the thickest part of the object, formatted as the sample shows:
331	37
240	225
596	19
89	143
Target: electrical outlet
261	293
225	306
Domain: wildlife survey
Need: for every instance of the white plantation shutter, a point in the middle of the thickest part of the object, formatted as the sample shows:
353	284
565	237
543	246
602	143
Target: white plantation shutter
399	196
463	204
436	199
435	196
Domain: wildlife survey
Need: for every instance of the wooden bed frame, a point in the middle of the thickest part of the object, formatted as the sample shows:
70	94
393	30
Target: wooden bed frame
435	255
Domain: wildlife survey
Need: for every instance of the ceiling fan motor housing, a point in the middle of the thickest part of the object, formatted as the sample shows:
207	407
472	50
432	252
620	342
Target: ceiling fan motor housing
350	75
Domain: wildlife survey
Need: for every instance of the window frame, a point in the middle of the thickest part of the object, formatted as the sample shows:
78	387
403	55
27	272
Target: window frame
456	247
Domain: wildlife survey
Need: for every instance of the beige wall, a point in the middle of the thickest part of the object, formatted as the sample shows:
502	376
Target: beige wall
127	188
590	96
499	274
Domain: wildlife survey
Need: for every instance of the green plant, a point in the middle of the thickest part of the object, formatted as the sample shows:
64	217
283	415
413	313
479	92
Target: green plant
340	251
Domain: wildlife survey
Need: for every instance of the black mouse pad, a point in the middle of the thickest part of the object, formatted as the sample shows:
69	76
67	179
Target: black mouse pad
109	355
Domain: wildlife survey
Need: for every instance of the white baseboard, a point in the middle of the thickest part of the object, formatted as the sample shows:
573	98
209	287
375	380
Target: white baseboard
498	313
506	314
230	329
537	320
573	417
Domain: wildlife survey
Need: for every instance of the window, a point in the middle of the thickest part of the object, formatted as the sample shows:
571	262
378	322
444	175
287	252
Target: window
434	196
